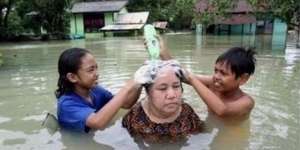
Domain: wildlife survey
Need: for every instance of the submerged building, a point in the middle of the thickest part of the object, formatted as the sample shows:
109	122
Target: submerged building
242	20
104	17
90	17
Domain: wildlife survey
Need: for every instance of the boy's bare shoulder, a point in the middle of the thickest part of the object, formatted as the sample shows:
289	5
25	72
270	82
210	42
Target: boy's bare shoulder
241	106
248	101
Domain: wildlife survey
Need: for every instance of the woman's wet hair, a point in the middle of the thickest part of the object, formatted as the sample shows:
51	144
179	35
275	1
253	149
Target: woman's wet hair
147	86
69	62
239	59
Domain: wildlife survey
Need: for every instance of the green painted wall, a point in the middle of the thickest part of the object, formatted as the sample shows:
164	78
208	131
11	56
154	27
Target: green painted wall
279	35
249	28
236	29
123	10
77	27
243	29
109	18
116	14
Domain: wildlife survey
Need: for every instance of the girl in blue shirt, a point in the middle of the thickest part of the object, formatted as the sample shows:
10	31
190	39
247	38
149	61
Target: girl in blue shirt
83	104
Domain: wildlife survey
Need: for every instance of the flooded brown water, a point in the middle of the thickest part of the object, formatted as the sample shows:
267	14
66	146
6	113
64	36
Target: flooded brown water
28	79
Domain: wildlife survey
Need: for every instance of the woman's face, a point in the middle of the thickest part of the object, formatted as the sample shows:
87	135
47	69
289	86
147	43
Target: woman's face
165	93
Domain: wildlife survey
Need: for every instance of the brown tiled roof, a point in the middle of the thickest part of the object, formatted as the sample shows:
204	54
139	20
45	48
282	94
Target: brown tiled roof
237	19
241	6
99	6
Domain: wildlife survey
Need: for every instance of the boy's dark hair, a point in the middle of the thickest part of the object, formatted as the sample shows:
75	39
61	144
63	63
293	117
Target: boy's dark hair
239	59
69	62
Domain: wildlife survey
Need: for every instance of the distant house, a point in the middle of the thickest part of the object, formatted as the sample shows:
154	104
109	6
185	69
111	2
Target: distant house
89	17
242	21
127	22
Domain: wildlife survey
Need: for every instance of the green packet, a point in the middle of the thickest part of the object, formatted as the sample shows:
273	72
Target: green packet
152	41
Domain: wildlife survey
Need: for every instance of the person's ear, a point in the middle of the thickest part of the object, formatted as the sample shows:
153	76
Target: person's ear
72	77
244	78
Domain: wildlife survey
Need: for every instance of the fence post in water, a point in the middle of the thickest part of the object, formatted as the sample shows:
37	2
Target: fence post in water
1	61
279	35
199	29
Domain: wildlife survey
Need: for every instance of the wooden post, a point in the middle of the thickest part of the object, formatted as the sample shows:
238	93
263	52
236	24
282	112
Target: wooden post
298	36
242	29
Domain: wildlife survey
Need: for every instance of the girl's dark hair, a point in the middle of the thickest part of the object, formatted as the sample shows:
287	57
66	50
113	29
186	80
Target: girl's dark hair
69	62
239	59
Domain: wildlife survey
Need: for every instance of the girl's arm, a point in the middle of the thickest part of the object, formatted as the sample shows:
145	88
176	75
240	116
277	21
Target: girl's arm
133	94
127	96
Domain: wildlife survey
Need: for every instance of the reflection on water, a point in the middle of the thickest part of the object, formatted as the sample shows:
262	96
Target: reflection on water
232	134
28	79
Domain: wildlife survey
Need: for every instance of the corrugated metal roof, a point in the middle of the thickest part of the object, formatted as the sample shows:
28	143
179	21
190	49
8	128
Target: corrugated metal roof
100	6
160	24
128	21
133	18
119	27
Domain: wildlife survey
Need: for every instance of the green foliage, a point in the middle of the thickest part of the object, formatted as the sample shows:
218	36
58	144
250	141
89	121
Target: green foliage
179	13
218	9
28	16
287	10
10	22
15	28
51	15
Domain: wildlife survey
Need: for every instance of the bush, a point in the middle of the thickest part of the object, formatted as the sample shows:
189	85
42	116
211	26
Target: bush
14	29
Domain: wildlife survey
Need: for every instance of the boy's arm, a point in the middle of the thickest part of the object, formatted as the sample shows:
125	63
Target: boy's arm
100	119
237	108
205	79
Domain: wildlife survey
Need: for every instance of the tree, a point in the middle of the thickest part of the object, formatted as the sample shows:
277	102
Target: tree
18	16
179	13
5	6
215	10
50	14
10	23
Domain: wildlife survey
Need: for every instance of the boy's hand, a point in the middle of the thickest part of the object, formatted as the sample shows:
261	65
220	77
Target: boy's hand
185	75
